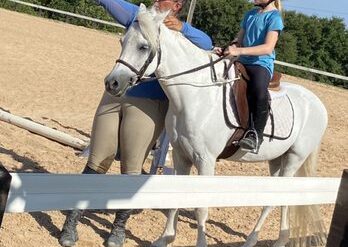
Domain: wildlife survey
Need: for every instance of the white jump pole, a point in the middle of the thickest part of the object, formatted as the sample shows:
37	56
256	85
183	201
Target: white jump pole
43	130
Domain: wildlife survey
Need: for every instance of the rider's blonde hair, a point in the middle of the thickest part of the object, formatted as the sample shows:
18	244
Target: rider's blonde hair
278	5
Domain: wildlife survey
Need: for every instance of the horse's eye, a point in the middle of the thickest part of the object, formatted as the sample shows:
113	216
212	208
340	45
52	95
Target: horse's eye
143	47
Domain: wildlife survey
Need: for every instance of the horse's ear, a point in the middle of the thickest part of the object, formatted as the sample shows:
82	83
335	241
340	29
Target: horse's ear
142	8
160	16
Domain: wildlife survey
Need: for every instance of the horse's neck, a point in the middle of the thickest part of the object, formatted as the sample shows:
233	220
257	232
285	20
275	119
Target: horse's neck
178	55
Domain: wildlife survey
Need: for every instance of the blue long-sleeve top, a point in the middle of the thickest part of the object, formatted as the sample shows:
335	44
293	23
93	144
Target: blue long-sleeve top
125	13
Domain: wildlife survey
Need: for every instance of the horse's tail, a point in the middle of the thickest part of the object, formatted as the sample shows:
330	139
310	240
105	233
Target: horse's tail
306	225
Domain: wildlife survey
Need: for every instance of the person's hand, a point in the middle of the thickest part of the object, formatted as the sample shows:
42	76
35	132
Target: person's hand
232	51
218	51
173	23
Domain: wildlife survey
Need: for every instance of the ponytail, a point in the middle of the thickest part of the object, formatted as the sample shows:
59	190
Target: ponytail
278	5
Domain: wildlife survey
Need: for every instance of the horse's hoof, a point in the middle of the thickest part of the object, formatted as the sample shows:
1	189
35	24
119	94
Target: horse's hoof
163	241
251	240
201	242
279	244
201	245
283	239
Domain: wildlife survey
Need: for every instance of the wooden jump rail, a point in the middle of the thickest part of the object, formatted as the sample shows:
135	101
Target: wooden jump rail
43	130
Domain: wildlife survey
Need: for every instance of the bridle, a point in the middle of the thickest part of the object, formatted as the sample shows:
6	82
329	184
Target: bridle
139	78
140	73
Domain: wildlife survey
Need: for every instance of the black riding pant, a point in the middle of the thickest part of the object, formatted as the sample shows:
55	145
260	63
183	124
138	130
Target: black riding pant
258	95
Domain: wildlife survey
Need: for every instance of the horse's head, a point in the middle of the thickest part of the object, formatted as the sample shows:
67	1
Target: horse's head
139	57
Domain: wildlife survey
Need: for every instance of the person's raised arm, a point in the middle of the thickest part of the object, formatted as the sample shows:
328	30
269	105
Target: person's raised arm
196	36
122	11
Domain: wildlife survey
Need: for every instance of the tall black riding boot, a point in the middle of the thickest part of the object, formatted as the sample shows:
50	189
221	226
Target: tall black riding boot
69	234
260	122
254	136
118	233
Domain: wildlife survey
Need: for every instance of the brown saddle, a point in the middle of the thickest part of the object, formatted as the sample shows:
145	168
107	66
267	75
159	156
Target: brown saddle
241	106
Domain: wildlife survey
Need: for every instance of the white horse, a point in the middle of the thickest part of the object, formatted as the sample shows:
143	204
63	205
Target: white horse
195	120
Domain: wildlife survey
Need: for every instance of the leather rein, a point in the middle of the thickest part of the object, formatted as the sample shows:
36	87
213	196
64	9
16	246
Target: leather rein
140	73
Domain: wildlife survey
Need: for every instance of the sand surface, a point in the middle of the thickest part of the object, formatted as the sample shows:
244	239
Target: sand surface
53	73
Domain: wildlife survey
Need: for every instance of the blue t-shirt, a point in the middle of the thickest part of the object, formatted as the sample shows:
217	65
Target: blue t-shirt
125	13
256	25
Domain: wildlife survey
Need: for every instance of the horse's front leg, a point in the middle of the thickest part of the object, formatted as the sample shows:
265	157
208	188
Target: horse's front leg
206	167
169	233
182	166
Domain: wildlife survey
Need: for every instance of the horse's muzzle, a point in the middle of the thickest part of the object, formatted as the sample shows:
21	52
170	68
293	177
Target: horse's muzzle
112	87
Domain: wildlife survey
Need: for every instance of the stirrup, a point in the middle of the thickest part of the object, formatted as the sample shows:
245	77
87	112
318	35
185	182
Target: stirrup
254	150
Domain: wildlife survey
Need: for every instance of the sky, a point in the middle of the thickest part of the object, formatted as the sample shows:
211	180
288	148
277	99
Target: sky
320	8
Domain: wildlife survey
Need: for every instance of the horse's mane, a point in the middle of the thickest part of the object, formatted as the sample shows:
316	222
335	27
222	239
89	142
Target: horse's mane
149	28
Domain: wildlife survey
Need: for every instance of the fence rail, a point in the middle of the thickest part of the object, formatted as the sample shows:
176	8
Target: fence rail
46	192
68	13
315	71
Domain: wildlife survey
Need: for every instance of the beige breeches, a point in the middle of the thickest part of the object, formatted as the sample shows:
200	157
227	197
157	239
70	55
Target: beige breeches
133	123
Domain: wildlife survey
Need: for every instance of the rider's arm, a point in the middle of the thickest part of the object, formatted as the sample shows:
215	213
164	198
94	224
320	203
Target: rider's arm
238	40
122	11
196	36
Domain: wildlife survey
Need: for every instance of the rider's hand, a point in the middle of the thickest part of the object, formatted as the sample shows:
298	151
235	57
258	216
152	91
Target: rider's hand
218	51
173	23
232	51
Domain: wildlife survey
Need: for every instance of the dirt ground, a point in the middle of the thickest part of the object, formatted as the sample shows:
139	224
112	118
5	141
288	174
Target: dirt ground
53	73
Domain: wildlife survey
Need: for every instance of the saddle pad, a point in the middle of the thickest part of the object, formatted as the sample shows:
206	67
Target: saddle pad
283	114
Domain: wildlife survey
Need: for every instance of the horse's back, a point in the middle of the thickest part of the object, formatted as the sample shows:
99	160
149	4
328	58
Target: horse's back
309	110
300	94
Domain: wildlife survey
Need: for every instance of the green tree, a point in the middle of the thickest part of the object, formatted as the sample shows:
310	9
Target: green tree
309	41
220	18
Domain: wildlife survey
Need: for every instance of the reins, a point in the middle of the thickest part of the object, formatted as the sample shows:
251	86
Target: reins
210	64
140	73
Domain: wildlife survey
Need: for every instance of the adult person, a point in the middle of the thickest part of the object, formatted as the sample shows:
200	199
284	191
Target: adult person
134	121
255	44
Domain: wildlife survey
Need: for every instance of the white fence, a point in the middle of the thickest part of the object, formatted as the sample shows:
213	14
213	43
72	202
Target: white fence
68	13
315	71
189	19
46	192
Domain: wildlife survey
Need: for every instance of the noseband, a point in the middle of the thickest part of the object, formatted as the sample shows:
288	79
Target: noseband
140	73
